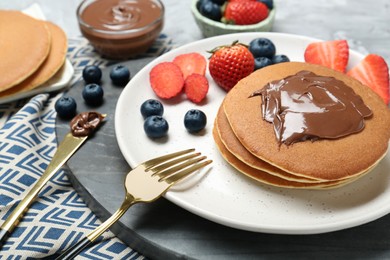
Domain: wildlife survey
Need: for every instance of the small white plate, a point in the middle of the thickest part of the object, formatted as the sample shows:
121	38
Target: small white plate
60	80
222	194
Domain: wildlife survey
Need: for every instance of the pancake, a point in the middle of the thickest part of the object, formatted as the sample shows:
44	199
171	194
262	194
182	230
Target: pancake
50	66
324	159
265	177
233	145
24	45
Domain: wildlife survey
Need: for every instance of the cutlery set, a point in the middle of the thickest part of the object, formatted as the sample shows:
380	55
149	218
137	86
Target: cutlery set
145	183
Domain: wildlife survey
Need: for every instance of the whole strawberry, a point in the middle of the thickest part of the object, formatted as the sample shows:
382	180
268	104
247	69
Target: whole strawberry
245	12
229	64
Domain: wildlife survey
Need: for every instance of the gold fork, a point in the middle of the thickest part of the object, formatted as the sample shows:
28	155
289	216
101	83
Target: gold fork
146	183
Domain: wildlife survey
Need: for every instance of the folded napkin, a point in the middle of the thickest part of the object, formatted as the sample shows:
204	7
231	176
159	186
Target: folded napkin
59	217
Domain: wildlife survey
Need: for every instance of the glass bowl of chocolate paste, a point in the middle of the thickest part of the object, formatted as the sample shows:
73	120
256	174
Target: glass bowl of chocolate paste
121	29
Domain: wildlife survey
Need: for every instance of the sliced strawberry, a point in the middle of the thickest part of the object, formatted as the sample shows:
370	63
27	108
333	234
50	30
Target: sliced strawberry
373	72
166	79
332	54
192	62
196	87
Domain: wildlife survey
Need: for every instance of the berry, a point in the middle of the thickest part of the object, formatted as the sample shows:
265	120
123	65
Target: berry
93	94
199	3
210	10
262	47
66	107
152	107
190	63
261	62
229	64
156	126
92	74
373	72
279	59
268	3
196	87
332	54
166	80
120	75
195	120
245	12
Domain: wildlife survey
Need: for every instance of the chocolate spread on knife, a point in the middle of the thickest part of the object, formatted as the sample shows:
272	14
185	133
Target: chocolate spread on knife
85	123
306	106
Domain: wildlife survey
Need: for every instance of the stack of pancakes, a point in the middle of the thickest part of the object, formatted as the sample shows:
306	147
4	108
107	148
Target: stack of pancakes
32	52
249	144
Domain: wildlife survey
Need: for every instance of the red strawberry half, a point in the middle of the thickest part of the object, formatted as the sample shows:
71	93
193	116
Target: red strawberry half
166	79
196	87
373	72
332	54
190	63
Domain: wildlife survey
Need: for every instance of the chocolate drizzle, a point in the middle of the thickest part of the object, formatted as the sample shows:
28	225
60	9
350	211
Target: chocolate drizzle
85	123
306	106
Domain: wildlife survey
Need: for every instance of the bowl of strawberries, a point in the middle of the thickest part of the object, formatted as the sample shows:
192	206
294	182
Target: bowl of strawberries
217	17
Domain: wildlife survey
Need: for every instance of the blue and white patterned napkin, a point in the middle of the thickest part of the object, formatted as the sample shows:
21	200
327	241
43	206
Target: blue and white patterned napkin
59	217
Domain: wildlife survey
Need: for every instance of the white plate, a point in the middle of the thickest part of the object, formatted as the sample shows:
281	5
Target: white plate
60	80
227	197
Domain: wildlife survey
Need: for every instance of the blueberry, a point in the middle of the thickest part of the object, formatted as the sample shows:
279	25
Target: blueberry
120	75
152	107
66	107
199	3
92	74
93	94
156	126
268	3
211	10
280	58
262	47
261	62
195	120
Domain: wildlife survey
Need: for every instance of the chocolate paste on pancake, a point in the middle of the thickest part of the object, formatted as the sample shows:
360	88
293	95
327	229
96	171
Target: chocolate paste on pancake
306	106
85	123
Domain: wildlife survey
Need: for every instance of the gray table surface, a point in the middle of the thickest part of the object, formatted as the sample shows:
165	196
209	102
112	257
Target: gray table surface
366	26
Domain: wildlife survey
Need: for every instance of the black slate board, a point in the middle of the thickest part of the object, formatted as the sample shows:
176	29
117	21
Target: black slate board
162	230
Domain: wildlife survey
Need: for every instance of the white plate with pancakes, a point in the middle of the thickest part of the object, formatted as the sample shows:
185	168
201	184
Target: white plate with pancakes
222	194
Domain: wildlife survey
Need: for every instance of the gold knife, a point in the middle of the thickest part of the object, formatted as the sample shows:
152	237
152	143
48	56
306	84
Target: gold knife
81	127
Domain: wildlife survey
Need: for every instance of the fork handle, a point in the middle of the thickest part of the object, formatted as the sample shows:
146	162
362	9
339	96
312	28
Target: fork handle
3	236
73	251
77	248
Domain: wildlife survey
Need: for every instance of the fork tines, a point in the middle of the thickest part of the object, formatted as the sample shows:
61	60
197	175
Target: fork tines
175	166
